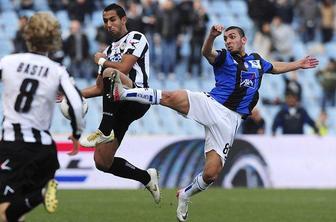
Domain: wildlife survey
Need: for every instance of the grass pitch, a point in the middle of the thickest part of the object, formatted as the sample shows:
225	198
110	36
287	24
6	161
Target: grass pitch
214	205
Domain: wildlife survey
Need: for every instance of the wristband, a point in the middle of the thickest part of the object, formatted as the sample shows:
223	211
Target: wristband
101	61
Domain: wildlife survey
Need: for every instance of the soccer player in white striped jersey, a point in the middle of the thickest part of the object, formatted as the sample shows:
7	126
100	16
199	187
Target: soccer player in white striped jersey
28	155
128	53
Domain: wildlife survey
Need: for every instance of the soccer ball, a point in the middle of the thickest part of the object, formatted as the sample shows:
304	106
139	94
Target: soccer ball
65	108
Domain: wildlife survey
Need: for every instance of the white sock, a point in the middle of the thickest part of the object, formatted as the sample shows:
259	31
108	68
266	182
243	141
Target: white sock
198	185
143	95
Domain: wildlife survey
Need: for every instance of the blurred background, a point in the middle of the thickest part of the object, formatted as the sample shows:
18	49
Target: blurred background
282	30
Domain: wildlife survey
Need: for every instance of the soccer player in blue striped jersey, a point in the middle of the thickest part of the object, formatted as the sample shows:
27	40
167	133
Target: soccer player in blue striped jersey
238	77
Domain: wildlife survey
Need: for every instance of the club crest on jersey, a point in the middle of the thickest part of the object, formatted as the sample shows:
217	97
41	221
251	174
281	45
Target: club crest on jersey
255	64
247	79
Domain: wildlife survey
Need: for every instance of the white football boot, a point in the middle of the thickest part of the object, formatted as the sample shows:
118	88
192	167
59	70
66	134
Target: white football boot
97	137
182	207
153	184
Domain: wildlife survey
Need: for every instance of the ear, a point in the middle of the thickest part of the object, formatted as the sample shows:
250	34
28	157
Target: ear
244	40
124	20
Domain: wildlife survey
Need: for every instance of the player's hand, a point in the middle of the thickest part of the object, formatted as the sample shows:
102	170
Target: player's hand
216	30
308	62
99	55
75	145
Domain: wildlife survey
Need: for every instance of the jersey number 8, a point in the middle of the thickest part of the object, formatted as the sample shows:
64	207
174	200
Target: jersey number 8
25	98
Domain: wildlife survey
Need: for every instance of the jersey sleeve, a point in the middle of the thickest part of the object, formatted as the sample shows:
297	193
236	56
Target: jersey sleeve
266	65
136	44
75	102
220	58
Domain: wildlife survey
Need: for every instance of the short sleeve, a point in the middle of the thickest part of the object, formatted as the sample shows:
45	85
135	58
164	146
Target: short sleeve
266	65
136	44
220	58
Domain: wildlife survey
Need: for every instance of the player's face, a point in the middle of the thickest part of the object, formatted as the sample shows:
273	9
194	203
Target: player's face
234	43
113	24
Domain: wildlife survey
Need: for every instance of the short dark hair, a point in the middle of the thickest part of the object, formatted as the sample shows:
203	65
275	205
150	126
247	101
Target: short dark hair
240	30
117	8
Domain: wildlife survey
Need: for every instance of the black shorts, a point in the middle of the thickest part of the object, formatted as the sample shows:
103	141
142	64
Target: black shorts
25	167
121	114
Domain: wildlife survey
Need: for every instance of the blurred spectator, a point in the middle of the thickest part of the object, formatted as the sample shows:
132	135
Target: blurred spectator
76	46
27	4
322	124
254	124
283	37
309	15
78	9
169	28
327	11
327	79
285	10
292	118
56	5
261	11
262	42
19	42
149	19
134	17
199	20
185	9
292	85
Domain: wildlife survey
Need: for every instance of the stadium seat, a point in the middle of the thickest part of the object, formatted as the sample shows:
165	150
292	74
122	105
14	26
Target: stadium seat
238	7
6	47
7	5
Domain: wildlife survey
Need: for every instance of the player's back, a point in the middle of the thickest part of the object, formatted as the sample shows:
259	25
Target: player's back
30	83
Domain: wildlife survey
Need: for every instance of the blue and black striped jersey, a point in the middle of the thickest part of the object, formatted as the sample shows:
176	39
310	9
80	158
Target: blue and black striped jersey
238	80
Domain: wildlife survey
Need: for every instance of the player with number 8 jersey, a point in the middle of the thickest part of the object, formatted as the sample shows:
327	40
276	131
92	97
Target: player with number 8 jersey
28	155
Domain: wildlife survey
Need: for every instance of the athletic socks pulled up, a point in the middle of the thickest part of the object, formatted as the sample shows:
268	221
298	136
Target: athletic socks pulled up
122	168
198	185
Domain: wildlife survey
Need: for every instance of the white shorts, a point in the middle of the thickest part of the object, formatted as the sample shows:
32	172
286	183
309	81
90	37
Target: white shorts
220	123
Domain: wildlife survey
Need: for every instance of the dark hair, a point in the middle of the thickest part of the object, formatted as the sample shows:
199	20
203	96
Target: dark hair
117	8
240	30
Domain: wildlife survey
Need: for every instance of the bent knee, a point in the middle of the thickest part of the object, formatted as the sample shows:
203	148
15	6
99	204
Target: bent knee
102	164
210	176
108	72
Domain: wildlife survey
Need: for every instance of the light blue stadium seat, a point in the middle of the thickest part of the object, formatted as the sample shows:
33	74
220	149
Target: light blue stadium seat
238	7
151	122
63	19
6	5
41	5
169	122
191	84
6	47
172	85
299	49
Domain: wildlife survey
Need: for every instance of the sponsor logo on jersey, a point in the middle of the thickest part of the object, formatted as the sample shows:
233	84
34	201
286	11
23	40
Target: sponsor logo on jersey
248	79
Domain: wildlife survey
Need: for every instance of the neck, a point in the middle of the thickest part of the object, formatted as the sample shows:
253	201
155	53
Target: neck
40	53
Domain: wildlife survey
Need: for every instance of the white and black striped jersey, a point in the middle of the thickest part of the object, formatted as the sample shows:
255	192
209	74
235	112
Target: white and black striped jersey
30	84
134	43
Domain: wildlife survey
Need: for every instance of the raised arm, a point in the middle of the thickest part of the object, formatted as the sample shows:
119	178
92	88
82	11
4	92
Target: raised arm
305	63
207	50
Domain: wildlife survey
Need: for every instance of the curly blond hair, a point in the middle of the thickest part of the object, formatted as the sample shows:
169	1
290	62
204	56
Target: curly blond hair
42	33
